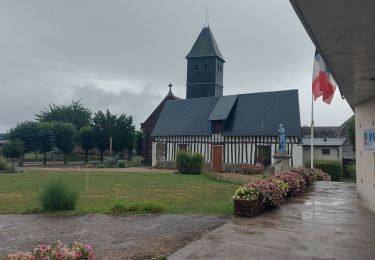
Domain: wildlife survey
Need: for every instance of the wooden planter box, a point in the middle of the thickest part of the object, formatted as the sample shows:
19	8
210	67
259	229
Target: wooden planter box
248	208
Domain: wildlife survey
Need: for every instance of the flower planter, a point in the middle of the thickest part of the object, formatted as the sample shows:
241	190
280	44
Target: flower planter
248	208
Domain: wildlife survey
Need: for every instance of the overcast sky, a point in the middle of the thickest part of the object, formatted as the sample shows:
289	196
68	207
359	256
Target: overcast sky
121	55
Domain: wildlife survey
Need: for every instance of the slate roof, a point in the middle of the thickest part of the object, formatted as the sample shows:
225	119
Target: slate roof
254	114
324	141
205	46
223	108
333	132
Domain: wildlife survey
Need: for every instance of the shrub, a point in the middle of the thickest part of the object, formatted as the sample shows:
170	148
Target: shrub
3	163
189	163
100	165
321	176
140	207
269	190
351	168
121	164
252	169
248	193
57	250
110	161
307	174
58	195
295	181
333	168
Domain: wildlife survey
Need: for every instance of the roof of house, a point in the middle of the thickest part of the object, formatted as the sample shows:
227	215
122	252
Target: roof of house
333	132
2	136
324	141
157	110
254	114
205	46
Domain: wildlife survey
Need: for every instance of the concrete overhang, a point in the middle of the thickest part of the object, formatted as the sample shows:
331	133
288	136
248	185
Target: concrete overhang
344	33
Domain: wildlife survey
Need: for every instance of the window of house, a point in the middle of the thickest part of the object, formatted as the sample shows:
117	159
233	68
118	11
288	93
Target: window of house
196	66
218	66
182	147
326	151
205	66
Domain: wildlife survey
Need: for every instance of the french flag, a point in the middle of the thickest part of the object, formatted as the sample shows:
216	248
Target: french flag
323	83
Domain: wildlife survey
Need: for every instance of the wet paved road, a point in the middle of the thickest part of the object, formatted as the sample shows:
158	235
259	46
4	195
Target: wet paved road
325	223
132	237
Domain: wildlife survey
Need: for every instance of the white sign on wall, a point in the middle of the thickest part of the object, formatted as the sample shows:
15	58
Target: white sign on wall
369	139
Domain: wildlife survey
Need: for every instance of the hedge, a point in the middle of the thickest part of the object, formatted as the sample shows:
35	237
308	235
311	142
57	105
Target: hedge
333	168
189	163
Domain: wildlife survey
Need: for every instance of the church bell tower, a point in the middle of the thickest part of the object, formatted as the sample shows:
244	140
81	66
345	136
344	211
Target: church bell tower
204	67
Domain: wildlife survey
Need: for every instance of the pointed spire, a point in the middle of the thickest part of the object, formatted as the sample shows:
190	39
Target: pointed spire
205	46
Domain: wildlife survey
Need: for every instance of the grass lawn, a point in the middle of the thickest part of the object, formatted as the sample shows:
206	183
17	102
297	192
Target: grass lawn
178	193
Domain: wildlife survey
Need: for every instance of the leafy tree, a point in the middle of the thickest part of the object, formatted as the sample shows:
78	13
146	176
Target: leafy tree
138	138
123	134
13	150
104	125
64	134
75	113
45	139
351	130
88	139
26	132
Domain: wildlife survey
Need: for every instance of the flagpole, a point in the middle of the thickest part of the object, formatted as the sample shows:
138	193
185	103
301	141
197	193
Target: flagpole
312	132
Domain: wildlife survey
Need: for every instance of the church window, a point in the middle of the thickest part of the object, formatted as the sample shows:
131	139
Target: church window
205	66
196	66
218	66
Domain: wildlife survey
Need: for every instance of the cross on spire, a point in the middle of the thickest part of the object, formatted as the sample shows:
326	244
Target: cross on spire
206	17
170	87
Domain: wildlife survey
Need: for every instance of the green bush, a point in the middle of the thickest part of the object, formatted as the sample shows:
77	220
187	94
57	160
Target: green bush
100	165
351	168
121	164
110	161
58	195
138	207
333	168
189	163
3	163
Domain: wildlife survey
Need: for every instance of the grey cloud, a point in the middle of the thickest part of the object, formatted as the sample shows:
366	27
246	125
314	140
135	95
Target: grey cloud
51	50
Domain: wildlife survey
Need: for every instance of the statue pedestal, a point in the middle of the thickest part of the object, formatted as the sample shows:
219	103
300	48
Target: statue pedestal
281	161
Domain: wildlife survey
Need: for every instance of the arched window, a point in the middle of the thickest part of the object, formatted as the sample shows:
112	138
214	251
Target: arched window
196	66
205	66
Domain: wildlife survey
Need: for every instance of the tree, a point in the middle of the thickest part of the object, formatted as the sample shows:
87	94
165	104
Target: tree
87	139
75	113
45	139
13	150
26	132
123	134
138	137
351	130
104	125
64	138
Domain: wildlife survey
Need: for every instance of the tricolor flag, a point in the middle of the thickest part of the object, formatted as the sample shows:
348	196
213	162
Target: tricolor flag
323	82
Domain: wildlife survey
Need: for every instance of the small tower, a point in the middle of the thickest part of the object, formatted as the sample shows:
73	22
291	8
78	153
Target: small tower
204	67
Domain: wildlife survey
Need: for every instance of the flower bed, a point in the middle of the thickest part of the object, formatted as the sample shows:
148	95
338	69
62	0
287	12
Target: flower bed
259	194
58	251
252	169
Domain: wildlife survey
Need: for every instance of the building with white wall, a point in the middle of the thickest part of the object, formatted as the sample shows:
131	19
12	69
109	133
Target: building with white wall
343	32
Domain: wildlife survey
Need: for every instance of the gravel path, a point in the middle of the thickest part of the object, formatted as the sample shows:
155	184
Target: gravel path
113	237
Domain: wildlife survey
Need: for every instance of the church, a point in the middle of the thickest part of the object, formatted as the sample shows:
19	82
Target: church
229	131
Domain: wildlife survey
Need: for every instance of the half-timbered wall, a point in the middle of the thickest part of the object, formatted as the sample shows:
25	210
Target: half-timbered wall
237	149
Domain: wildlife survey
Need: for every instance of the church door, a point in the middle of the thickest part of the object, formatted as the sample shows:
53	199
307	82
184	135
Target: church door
217	158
